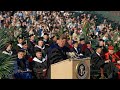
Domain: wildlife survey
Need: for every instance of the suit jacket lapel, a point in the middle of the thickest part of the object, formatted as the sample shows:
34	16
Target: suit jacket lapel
99	56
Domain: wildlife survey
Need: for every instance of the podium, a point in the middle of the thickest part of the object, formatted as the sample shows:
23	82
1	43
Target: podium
71	69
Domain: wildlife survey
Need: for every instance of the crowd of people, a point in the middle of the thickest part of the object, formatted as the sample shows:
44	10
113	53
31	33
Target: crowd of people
44	38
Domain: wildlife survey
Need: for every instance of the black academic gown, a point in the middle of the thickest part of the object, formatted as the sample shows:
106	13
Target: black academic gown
57	54
38	66
17	48
22	64
47	42
98	62
31	46
44	49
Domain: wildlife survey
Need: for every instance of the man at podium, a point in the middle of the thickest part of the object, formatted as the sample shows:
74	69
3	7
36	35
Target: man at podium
58	51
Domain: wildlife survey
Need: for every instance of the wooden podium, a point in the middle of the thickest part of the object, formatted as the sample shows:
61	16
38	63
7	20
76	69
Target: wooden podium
71	69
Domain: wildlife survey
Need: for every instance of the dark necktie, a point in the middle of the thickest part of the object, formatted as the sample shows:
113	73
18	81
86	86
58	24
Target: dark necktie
110	57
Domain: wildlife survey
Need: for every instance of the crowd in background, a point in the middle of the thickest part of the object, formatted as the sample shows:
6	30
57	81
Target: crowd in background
44	37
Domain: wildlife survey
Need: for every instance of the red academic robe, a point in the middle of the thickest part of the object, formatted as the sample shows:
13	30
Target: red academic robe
118	53
115	58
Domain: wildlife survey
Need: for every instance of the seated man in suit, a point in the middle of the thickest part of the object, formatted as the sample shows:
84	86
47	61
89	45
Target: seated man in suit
75	48
97	61
104	48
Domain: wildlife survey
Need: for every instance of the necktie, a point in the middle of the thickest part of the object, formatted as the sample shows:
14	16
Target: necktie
110	57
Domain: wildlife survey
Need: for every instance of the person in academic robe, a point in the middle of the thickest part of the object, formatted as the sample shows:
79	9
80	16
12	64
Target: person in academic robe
46	39
69	43
20	40
21	67
89	50
39	65
31	43
26	49
82	46
41	45
58	52
113	59
28	55
8	49
53	40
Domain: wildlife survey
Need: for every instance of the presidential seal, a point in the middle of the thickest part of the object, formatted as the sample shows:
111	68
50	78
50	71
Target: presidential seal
82	70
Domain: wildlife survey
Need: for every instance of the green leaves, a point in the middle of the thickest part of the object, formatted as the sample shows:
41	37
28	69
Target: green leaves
6	65
61	32
6	61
